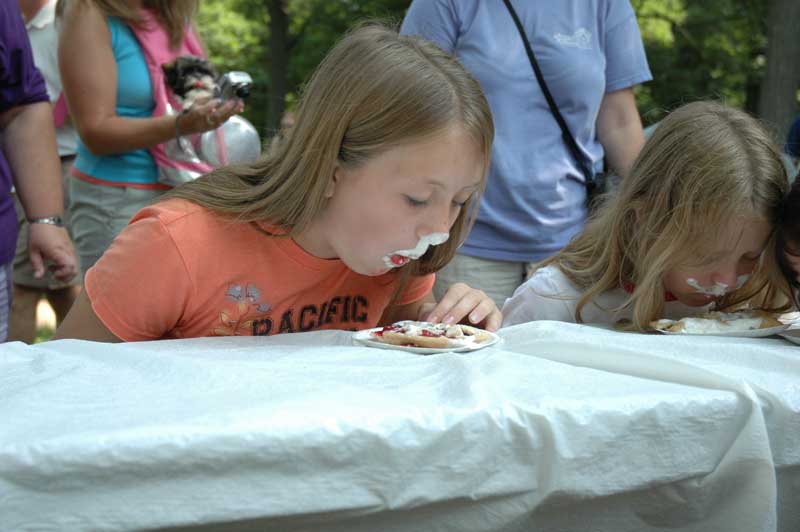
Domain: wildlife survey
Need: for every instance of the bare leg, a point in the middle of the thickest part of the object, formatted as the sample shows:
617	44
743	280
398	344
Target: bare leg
22	326
61	300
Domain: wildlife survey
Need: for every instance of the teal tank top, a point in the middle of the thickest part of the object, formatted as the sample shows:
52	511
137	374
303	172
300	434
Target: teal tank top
134	100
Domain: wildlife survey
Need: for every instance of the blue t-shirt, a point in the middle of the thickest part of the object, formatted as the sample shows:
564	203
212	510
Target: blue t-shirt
535	194
134	100
20	84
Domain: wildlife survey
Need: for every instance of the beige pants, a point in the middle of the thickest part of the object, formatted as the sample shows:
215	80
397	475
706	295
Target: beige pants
99	213
497	278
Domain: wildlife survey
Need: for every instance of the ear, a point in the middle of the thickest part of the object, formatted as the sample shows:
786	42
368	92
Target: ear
211	70
338	174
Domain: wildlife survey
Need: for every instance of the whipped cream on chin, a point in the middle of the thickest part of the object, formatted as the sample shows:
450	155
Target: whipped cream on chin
404	256
717	289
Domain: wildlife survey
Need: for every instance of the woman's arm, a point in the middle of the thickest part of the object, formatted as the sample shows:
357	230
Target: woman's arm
619	129
83	324
28	139
89	76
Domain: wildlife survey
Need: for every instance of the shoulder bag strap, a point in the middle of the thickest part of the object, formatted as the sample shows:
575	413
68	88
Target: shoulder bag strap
569	140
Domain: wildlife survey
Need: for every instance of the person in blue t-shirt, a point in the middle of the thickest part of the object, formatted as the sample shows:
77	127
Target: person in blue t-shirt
591	56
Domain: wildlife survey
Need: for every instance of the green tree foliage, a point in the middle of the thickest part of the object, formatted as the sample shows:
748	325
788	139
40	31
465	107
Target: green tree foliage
236	33
235	39
710	49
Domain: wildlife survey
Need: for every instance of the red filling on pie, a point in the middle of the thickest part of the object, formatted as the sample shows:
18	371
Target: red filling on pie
388	328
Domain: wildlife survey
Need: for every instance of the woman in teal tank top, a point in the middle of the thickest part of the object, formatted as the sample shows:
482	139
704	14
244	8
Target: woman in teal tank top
108	87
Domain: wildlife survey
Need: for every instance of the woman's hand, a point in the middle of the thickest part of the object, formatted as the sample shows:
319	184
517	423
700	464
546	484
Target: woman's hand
462	303
50	243
207	114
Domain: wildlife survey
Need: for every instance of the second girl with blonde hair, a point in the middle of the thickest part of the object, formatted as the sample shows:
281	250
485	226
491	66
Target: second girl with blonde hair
691	226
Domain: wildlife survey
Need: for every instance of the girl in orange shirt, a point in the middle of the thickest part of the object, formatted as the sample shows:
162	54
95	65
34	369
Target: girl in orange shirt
342	227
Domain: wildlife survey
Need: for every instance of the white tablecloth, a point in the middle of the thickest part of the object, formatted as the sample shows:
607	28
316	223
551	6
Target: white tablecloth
559	427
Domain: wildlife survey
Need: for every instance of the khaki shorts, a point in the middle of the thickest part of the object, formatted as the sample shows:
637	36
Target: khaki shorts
23	270
497	278
99	213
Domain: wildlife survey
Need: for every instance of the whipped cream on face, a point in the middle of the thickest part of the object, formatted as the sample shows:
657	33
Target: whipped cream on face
718	289
403	256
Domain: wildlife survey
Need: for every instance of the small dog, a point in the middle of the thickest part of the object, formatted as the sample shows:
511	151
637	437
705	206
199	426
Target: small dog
190	77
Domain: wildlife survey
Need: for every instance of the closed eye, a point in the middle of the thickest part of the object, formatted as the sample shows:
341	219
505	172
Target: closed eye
462	204
416	202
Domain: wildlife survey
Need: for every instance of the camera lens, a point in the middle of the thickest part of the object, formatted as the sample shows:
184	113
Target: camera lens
242	91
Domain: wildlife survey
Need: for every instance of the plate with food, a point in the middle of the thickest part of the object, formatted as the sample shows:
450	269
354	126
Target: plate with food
426	338
746	323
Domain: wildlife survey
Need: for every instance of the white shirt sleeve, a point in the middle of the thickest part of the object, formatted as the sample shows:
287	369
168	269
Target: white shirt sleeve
547	295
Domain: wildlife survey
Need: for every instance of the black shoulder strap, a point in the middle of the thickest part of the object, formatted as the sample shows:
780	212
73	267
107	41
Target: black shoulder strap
569	140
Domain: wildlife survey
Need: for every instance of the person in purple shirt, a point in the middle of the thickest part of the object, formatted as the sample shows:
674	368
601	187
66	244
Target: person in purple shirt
591	56
28	160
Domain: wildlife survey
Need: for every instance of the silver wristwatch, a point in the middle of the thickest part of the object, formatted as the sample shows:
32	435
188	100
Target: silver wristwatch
50	220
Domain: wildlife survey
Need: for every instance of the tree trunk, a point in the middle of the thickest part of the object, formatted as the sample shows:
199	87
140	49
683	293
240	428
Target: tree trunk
778	98
279	63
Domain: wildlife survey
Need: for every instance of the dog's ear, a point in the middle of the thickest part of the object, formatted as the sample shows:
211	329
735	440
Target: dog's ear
170	73
201	65
211	70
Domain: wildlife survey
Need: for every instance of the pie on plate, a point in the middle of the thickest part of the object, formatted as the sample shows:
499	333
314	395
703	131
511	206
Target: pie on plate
739	323
425	337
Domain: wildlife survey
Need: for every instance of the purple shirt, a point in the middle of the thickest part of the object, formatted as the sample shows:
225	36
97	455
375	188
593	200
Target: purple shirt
20	84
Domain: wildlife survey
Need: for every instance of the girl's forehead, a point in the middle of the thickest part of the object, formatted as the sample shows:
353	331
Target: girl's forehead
739	233
444	161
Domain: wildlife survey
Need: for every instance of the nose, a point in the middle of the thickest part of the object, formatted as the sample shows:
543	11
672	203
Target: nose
727	276
440	222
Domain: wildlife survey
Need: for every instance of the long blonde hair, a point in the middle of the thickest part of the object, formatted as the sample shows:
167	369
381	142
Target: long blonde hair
374	90
175	15
705	164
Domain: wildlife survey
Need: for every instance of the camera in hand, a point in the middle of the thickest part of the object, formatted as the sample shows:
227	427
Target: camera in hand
234	84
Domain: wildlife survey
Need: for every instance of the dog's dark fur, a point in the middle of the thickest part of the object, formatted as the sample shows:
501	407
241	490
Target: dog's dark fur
184	74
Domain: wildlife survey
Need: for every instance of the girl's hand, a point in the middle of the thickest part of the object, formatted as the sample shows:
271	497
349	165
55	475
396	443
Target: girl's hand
205	115
462	303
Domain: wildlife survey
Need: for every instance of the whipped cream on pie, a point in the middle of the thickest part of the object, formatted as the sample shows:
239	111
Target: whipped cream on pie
426	334
719	322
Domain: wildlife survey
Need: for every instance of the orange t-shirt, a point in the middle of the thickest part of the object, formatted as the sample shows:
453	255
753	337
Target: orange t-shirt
180	271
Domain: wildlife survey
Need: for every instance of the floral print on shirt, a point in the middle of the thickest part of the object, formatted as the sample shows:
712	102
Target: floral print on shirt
237	318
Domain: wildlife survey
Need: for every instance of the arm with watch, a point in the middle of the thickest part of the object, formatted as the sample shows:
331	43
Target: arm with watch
29	141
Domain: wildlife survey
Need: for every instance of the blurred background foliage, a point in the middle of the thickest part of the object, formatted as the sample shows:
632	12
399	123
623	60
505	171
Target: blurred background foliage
696	49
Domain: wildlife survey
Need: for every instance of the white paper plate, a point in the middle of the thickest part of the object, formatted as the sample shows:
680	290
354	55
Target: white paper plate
365	338
753	333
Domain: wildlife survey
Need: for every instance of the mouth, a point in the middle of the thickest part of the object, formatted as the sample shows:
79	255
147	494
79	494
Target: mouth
396	260
404	256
